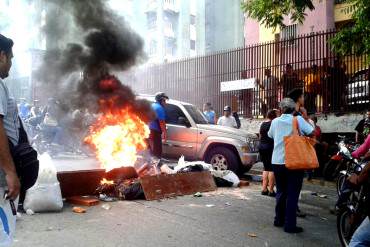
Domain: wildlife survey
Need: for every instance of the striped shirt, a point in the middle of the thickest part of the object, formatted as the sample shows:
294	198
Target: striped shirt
281	127
9	111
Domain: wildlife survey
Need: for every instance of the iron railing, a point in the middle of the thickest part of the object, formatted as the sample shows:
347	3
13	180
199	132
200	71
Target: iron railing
342	86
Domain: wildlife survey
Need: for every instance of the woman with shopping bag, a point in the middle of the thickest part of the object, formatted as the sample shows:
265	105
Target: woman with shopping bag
293	153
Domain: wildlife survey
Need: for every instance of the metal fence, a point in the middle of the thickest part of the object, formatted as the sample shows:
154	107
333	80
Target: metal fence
269	70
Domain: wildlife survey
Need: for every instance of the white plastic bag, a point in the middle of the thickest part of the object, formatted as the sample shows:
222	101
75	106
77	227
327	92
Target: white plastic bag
182	164
45	195
7	221
228	176
231	177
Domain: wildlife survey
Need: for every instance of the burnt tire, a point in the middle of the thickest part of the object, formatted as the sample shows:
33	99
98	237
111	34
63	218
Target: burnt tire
223	158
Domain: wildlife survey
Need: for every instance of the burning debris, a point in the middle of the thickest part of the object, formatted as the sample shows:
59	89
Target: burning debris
81	75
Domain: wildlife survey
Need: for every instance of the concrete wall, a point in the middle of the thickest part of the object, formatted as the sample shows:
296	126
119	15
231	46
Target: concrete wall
328	123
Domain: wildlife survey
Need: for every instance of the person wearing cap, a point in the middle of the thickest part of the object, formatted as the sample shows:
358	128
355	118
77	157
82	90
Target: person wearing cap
158	125
227	119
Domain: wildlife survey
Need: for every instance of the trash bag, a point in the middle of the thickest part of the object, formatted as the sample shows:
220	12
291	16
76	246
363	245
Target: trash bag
7	219
220	182
191	168
45	195
182	164
227	175
131	191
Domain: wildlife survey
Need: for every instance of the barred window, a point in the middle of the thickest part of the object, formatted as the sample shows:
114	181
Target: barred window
289	33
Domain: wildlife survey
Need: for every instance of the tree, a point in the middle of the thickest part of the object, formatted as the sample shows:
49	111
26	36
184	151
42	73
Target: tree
355	39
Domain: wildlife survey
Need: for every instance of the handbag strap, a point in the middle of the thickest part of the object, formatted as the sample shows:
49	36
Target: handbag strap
295	127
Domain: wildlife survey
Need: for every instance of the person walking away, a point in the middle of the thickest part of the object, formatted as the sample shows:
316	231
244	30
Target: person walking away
270	85
363	128
266	148
209	113
288	182
289	80
9	128
227	120
158	125
312	86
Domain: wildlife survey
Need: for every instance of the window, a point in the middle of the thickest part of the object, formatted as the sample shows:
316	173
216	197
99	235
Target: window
168	29
170	47
192	19
152	47
152	20
173	113
289	33
192	44
196	114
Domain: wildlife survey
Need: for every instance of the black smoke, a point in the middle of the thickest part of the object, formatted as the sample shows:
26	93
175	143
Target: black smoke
80	73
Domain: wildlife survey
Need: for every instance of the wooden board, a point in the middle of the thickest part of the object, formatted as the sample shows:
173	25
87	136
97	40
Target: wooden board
83	201
165	186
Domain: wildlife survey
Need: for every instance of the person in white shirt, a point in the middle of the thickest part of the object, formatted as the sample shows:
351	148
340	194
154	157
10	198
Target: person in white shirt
227	120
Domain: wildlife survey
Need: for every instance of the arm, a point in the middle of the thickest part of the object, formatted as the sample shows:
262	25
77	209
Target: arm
161	114
305	127
7	164
271	131
363	149
219	122
357	136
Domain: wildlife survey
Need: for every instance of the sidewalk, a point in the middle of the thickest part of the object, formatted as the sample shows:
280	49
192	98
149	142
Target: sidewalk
317	192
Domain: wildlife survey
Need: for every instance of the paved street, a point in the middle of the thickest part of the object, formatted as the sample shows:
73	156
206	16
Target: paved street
239	217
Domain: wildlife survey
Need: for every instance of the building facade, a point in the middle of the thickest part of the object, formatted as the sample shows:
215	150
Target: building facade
224	21
327	15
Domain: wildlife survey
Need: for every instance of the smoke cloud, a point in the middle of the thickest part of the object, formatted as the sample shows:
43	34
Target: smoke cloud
79	73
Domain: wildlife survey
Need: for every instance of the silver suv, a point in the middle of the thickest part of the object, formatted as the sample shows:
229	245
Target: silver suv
189	134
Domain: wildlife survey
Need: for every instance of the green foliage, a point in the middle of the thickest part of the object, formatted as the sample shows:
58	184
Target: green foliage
355	39
349	40
271	12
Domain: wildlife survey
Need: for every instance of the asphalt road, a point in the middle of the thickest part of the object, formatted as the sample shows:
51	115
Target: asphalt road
233	217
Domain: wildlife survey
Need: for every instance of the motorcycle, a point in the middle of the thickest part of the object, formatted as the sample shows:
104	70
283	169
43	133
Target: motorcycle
352	208
341	160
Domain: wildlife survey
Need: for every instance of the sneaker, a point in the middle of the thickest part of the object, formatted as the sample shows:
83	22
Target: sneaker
265	193
296	229
272	194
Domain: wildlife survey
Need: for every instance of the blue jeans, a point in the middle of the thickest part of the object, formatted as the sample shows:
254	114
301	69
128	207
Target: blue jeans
361	237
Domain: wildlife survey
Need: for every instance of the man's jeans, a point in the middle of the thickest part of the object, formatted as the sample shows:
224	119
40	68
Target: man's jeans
361	237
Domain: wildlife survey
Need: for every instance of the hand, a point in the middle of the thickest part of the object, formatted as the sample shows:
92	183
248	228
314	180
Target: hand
14	185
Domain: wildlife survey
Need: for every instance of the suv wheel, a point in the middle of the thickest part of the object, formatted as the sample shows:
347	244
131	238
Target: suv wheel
222	158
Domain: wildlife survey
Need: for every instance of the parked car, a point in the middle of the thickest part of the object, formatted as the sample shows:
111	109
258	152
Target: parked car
358	88
189	134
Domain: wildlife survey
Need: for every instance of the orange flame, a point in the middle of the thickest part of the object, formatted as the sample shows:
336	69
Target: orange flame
117	137
105	181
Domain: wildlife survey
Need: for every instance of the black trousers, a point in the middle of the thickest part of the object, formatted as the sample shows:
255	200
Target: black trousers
155	143
288	187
